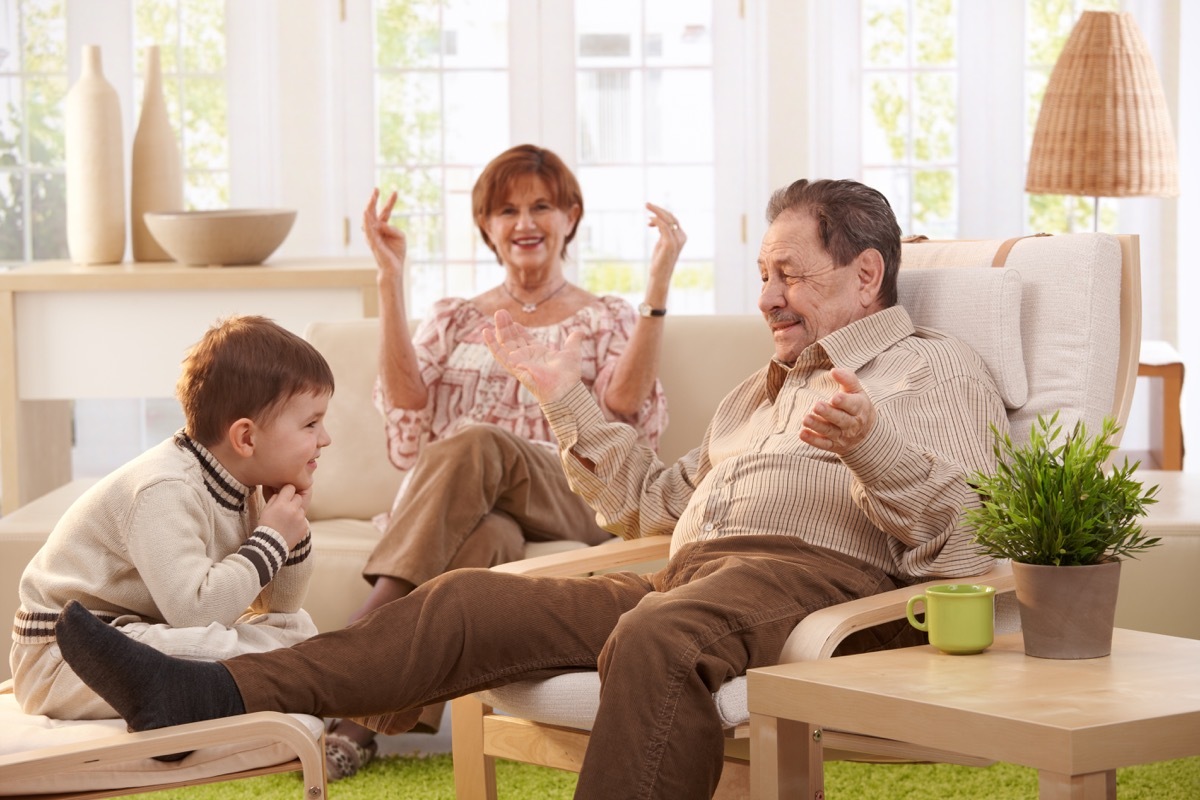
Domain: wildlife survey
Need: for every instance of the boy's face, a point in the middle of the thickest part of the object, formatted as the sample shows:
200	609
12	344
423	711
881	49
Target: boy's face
288	445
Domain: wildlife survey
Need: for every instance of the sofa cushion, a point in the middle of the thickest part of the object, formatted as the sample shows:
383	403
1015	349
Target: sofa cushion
980	307
354	477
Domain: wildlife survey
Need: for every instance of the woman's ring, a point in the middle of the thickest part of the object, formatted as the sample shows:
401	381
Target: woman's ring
675	225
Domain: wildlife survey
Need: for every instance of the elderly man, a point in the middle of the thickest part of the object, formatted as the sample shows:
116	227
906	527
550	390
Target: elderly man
834	472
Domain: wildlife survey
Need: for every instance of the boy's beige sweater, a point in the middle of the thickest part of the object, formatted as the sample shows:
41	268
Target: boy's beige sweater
171	537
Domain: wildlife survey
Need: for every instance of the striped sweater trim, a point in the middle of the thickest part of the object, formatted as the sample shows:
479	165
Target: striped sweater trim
265	552
37	627
227	491
300	552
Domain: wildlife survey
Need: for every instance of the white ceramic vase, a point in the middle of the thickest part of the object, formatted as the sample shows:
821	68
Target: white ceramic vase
95	167
157	183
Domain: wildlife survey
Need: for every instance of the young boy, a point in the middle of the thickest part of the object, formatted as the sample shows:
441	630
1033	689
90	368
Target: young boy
177	548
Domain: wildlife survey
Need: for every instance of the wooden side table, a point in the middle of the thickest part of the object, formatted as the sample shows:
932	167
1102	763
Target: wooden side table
1160	360
1075	722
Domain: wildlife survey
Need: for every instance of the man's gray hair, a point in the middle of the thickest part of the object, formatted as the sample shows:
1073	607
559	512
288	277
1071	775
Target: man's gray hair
851	217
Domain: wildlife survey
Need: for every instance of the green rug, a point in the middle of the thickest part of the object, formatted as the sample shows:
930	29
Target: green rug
431	779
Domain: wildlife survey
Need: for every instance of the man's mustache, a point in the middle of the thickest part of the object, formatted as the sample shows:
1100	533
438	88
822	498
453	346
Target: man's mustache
783	318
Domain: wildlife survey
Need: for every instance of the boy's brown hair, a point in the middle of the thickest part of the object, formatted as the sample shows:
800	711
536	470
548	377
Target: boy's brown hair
245	366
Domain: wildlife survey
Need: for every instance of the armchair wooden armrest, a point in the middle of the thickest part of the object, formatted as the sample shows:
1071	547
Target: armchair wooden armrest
819	634
618	553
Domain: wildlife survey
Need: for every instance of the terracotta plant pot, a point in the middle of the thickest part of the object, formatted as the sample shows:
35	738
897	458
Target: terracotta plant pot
1067	612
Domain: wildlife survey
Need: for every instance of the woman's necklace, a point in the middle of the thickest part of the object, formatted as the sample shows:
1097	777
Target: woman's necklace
529	308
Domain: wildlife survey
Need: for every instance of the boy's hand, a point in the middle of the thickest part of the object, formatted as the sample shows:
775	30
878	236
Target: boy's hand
285	512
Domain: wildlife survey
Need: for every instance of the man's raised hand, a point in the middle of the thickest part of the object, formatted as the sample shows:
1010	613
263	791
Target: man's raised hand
547	373
841	423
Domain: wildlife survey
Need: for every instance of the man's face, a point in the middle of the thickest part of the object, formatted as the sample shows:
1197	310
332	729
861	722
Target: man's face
290	443
805	296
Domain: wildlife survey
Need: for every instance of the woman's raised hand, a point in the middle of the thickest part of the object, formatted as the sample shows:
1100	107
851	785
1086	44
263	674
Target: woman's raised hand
387	243
671	239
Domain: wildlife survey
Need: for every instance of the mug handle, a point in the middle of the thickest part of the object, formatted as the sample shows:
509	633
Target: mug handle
908	611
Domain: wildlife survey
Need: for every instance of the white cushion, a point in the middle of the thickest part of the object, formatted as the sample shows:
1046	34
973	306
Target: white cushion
21	732
571	700
980	307
1070	314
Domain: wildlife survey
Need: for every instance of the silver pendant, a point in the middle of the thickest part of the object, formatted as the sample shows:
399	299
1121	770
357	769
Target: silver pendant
529	308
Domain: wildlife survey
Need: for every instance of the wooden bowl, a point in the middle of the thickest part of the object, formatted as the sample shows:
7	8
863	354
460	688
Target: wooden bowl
220	238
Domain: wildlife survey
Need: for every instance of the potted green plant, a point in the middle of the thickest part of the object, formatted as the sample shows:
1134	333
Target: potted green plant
1065	524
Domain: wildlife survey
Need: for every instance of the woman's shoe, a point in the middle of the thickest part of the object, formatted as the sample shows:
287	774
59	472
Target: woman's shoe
345	757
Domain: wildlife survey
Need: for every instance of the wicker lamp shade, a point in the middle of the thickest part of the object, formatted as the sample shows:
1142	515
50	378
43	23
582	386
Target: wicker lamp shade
1104	129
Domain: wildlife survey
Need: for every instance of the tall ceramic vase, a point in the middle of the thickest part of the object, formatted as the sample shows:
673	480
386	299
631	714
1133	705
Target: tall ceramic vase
95	167
157	165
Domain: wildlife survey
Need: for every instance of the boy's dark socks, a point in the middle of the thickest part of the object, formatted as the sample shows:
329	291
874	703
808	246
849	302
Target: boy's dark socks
147	688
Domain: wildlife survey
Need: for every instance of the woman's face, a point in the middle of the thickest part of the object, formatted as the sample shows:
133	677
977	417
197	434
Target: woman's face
528	230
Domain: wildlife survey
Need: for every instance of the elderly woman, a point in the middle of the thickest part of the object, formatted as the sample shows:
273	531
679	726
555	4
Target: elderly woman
483	475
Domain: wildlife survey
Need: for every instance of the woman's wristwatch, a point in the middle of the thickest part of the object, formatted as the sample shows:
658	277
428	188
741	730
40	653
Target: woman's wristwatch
646	311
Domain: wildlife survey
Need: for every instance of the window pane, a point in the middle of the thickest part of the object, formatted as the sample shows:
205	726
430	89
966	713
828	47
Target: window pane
44	36
885	33
44	97
476	34
675	101
678	34
608	33
934	202
11	122
935	39
910	111
893	182
12	215
157	23
10	46
935	110
418	191
609	102
689	193
885	119
203	25
476	116
33	60
407	33
205	126
205	189
48	203
409	118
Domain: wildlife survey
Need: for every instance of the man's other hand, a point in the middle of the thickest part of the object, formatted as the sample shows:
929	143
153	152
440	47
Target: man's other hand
547	373
841	423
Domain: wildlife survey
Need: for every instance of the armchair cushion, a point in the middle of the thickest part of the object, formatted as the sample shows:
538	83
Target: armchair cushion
980	307
1070	314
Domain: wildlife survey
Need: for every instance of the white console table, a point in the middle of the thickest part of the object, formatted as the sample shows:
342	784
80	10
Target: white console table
69	331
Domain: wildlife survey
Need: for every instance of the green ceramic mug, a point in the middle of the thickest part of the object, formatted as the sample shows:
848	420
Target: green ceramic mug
959	618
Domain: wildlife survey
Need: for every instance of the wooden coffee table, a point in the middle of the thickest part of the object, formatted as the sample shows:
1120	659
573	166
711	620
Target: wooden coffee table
1073	721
